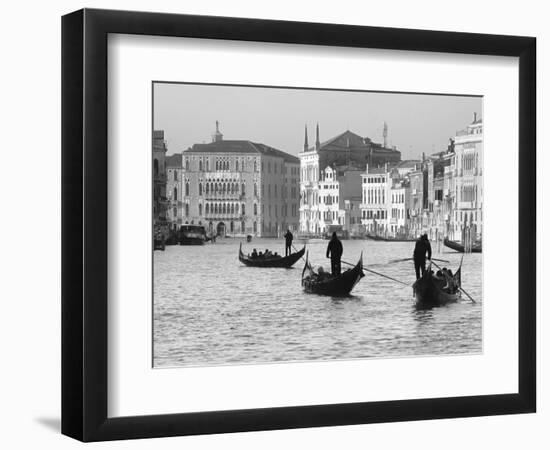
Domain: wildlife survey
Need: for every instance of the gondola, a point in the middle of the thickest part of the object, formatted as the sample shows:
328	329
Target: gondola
476	246
430	290
280	261
338	286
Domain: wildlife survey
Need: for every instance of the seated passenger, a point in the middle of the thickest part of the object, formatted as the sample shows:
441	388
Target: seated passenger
254	253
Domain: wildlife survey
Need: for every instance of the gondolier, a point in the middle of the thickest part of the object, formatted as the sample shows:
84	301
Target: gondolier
419	255
334	252
288	242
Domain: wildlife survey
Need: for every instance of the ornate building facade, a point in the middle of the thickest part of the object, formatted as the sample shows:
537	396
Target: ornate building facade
159	179
468	183
345	150
236	187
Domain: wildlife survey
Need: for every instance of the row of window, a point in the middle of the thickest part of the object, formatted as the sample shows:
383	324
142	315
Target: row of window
374	196
374	180
379	214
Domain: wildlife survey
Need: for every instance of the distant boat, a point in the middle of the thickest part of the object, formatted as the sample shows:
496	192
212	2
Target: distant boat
272	261
338	286
375	237
158	243
476	246
192	235
431	290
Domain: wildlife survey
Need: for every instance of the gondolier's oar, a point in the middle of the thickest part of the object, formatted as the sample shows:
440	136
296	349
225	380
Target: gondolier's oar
410	259
377	273
459	287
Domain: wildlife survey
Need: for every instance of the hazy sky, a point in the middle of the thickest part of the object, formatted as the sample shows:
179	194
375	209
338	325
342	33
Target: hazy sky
276	116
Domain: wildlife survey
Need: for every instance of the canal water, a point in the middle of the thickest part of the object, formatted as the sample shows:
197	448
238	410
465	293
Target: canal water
209	309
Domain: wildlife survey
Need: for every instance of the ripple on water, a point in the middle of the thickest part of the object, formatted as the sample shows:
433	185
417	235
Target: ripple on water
209	309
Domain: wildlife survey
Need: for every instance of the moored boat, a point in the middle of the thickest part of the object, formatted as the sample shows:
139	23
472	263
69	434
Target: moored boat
192	235
476	246
433	290
326	284
375	237
271	261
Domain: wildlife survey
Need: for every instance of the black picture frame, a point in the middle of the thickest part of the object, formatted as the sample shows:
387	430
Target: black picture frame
84	224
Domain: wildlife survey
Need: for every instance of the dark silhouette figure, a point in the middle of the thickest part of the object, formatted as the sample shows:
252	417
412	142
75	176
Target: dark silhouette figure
334	252
421	247
288	242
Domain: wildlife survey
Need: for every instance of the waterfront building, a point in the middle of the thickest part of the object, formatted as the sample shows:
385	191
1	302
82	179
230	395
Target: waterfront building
468	183
375	206
418	200
399	207
239	187
338	185
439	207
159	181
174	190
345	150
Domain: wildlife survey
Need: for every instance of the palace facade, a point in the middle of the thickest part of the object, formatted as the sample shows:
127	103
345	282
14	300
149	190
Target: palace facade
235	187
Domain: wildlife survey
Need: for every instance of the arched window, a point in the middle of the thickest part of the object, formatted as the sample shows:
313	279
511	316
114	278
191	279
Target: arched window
187	209
232	210
237	208
200	209
207	209
208	165
231	226
186	164
236	170
242	209
255	189
242	165
175	175
175	194
255	227
255	209
156	166
200	188
207	188
200	165
224	208
175	212
187	188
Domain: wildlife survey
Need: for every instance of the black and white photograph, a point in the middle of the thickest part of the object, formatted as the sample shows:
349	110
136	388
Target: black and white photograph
297	224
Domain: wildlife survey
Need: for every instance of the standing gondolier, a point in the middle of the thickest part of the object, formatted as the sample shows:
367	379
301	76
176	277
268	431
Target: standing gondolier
288	242
421	247
334	252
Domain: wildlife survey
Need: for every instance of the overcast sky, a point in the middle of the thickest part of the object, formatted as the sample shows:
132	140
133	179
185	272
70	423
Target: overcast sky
276	116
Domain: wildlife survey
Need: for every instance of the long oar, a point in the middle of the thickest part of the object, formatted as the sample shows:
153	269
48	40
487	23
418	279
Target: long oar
410	259
459	287
378	273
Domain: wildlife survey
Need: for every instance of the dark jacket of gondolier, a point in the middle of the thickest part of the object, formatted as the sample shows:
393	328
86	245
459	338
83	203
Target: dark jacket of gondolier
334	252
421	248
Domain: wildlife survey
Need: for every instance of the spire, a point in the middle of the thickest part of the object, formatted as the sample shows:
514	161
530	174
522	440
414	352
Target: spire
385	134
317	143
217	136
306	145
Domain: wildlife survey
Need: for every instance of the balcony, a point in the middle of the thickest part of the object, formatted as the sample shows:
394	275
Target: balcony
215	196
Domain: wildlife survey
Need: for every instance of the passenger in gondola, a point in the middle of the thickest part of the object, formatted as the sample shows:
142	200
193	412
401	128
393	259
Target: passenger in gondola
267	253
421	247
288	242
334	252
254	253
